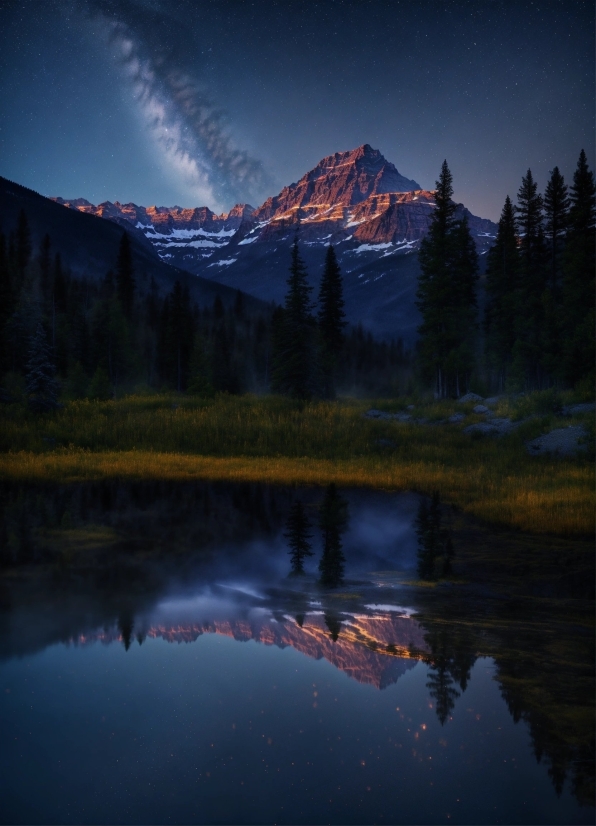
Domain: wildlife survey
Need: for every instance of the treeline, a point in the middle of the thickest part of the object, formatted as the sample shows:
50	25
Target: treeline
69	337
537	328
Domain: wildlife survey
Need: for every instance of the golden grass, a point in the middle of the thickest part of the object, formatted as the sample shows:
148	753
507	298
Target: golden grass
541	497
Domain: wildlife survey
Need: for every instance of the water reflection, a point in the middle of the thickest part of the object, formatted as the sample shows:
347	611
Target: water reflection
128	566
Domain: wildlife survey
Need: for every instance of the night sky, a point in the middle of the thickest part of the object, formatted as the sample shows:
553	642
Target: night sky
211	103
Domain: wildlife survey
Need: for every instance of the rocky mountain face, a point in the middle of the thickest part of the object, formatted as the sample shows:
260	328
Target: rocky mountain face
356	200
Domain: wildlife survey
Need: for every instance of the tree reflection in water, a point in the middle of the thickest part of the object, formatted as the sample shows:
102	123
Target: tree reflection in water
109	549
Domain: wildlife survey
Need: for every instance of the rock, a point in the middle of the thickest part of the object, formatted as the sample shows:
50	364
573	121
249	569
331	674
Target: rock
575	409
564	441
457	417
470	397
378	414
494	427
480	408
493	401
410	407
402	417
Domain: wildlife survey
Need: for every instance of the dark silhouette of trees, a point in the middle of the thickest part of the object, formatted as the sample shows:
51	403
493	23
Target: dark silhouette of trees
333	521
293	345
298	536
41	387
176	337
503	297
22	245
331	317
333	623
434	539
125	626
578	278
446	295
125	281
556	208
527	358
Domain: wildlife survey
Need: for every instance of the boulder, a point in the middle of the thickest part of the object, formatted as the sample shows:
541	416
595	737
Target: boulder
481	408
470	397
493	427
563	441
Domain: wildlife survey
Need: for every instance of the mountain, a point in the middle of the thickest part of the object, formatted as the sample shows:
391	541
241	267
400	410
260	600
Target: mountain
356	200
88	245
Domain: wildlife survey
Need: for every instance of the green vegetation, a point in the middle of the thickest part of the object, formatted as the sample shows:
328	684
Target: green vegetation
277	440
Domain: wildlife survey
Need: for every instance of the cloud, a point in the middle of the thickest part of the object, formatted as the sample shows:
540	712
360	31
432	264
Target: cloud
182	119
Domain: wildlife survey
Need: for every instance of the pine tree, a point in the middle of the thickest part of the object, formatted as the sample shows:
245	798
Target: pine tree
503	298
556	207
41	386
298	537
527	368
578	278
446	295
125	281
333	520
294	362
331	320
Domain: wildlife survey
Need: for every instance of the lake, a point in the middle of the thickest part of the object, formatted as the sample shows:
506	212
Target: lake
158	664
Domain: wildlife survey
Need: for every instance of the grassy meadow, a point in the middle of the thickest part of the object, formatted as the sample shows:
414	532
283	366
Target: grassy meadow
273	439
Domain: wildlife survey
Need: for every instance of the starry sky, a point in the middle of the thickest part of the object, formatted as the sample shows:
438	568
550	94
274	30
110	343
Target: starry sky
212	103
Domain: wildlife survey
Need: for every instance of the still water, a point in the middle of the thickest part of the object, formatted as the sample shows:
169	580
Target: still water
225	691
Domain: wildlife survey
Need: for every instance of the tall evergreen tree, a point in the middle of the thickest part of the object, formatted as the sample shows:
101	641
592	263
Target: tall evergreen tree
527	363
503	299
41	386
556	207
578	278
298	536
294	357
446	294
125	280
331	320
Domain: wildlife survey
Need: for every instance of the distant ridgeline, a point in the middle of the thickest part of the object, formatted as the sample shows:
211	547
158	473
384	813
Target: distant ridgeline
93	307
89	310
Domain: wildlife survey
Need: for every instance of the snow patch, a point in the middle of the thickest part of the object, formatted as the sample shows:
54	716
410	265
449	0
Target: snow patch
225	262
372	247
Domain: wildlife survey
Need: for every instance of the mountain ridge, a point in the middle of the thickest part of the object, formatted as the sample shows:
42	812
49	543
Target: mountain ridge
356	200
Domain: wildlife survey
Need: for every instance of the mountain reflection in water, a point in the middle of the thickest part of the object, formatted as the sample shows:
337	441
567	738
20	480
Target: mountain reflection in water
130	571
372	649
